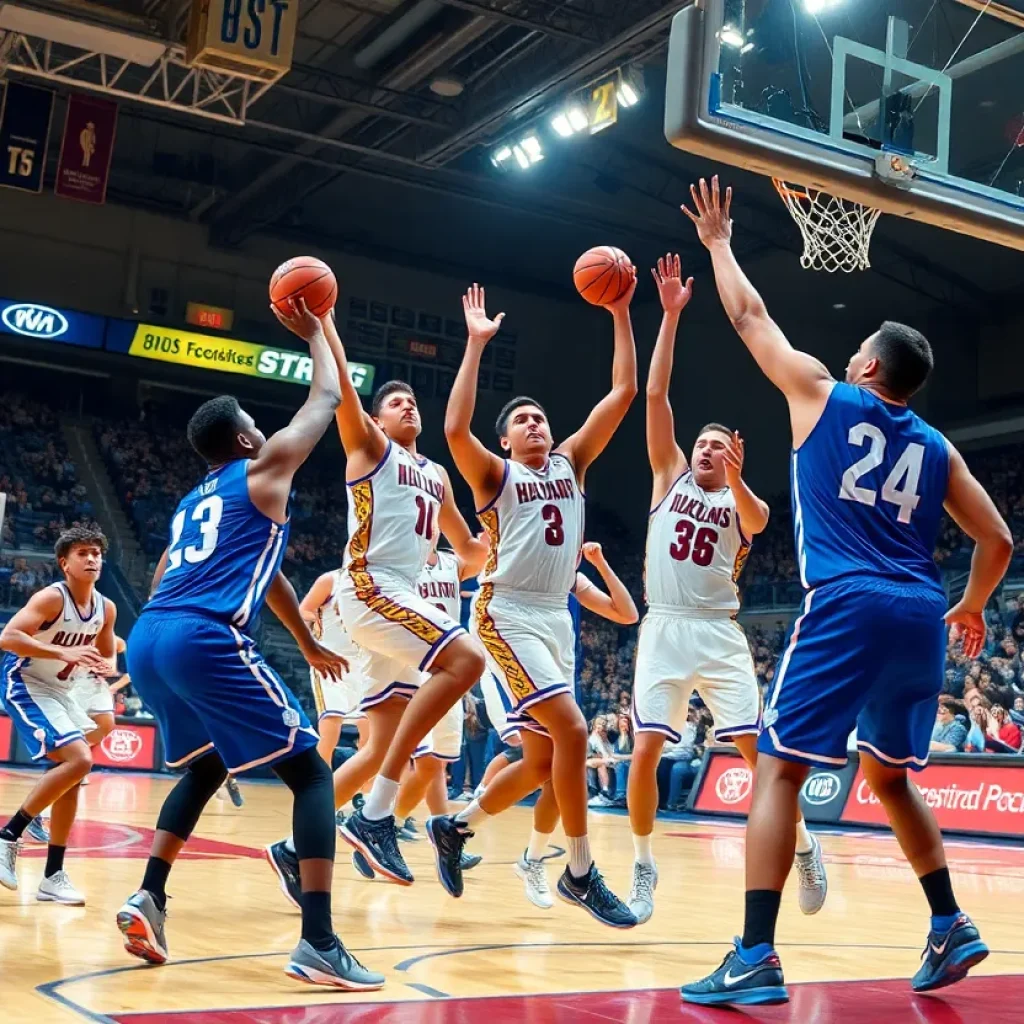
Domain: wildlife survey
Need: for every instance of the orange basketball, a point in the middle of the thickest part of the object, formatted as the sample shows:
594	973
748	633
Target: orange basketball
308	278
602	274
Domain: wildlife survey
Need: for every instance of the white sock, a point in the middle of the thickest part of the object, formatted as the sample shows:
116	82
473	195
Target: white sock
642	850
381	801
538	845
579	856
472	814
289	844
804	843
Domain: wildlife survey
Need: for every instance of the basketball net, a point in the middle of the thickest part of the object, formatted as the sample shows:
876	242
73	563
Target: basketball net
836	232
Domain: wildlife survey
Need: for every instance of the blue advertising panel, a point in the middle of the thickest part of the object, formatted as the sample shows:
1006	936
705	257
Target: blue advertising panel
41	322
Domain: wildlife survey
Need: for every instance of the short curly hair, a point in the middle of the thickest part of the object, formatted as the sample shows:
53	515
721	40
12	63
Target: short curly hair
79	534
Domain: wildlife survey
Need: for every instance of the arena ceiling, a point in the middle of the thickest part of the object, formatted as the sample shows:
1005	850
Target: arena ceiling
354	149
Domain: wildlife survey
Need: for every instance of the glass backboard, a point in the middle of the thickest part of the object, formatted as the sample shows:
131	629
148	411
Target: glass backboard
914	107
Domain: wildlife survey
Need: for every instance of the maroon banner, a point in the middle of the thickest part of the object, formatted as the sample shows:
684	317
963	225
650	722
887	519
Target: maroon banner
128	746
86	149
965	797
6	738
725	786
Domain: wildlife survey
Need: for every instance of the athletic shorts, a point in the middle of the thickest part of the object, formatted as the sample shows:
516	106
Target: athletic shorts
530	647
94	695
209	688
399	635
679	653
444	741
497	705
46	717
336	698
862	653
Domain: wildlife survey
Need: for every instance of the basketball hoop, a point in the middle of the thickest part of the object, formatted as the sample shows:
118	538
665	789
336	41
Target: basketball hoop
836	232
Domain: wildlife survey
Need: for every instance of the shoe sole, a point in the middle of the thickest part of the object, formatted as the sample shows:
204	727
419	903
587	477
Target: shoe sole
45	897
139	939
574	901
311	976
358	844
534	898
281	880
6	883
969	955
644	916
362	865
474	861
437	862
769	996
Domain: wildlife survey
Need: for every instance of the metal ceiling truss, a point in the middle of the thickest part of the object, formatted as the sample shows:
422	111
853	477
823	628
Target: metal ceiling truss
579	22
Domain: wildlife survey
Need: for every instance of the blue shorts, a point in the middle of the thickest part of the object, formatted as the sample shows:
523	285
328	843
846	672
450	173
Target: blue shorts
209	688
862	653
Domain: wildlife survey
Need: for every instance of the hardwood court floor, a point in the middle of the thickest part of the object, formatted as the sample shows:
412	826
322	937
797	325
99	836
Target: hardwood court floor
230	929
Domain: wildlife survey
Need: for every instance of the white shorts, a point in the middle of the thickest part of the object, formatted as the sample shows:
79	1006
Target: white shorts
338	698
495	702
93	694
46	717
399	635
444	741
531	649
677	654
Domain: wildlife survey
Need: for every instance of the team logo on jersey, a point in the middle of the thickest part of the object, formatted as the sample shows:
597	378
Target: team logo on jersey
291	718
770	717
821	789
122	745
35	321
734	785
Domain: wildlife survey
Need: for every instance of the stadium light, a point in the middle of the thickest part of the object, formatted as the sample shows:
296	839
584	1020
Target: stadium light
628	96
568	122
730	36
531	147
560	123
501	156
578	119
817	6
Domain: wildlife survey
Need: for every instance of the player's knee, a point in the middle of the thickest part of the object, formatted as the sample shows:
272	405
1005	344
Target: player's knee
570	733
647	751
467	659
208	772
104	726
78	758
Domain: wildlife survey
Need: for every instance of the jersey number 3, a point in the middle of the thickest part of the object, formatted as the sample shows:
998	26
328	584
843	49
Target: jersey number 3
900	487
207	514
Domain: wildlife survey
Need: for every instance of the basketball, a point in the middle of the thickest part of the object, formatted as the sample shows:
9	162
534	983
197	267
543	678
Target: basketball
602	275
307	278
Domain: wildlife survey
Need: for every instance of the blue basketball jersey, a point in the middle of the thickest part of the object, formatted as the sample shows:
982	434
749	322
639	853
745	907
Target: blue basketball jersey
868	487
223	551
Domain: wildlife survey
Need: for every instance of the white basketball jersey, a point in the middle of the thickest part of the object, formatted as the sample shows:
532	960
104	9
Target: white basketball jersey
333	634
392	517
439	584
535	525
695	549
69	629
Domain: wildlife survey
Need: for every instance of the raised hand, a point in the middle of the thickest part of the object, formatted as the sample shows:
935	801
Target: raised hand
967	628
592	552
481	328
712	217
324	660
674	294
300	321
733	456
623	301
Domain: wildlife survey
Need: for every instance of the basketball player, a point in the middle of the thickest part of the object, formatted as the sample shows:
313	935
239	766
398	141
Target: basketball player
703	517
531	505
869	481
415	659
63	633
219	705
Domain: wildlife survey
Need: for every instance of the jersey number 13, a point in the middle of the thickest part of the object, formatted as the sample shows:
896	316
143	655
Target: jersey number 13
207	514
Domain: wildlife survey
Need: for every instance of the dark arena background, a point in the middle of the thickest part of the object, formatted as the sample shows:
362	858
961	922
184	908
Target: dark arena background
160	158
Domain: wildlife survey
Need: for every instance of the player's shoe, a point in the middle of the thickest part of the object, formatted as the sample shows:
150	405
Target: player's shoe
947	958
357	802
37	830
57	888
337	968
448	837
641	896
339	818
810	870
739	983
377	841
535	882
410	824
596	898
362	865
8	863
407	834
142	924
286	866
231	785
470	860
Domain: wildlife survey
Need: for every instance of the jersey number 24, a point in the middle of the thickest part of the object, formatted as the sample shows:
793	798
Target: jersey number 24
900	487
207	514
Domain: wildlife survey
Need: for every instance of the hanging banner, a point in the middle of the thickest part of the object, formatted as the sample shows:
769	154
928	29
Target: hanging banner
24	135
86	149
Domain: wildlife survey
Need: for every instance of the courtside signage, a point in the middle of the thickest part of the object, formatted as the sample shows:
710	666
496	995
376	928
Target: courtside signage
229	355
49	323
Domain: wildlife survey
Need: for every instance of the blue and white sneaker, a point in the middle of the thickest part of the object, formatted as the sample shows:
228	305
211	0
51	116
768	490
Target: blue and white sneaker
37	830
595	898
377	841
141	923
448	837
337	968
947	958
739	983
286	866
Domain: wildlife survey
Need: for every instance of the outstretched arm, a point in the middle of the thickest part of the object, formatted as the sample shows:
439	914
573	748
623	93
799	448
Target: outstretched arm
795	374
592	438
480	468
471	552
667	458
284	603
976	514
616	605
753	512
319	594
270	473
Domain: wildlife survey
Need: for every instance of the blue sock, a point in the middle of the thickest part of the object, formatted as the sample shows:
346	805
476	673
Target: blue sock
755	954
941	923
